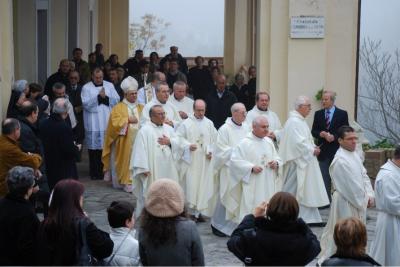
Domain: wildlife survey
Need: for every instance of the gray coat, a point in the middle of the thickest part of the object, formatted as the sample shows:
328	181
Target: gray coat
187	251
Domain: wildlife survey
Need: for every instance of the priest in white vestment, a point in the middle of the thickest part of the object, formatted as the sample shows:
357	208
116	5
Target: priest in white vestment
98	98
385	248
262	109
172	117
301	173
229	135
352	190
197	135
254	171
182	103
153	155
148	92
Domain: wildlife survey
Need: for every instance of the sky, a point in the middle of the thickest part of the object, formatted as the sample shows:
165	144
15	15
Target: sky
380	20
197	26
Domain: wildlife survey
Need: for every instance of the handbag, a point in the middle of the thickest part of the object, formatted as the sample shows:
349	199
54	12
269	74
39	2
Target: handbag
85	257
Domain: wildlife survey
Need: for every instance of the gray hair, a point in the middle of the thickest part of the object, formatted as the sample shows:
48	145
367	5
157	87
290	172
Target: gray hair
331	94
20	85
237	106
58	86
257	120
20	179
158	86
60	106
179	83
152	109
300	100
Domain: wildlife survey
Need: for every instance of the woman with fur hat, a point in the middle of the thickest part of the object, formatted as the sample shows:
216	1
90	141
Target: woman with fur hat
166	236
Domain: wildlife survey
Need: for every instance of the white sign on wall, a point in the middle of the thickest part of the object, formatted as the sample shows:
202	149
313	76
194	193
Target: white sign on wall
307	27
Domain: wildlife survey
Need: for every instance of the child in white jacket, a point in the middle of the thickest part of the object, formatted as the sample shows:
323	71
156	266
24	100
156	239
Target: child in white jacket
126	247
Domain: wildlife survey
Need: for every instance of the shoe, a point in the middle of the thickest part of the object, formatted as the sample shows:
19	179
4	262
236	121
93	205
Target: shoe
201	219
217	232
319	224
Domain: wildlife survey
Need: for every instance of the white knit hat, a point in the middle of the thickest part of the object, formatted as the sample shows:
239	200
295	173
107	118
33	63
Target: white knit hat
129	84
165	199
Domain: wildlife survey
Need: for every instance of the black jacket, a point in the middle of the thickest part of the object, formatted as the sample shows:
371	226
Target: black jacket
336	260
65	252
19	225
29	140
200	81
12	109
218	109
59	150
76	101
339	118
258	241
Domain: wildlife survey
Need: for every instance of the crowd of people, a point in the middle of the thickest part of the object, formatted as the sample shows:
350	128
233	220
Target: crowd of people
188	146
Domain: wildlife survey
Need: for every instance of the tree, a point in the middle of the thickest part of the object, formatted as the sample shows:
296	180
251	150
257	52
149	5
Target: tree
147	35
379	99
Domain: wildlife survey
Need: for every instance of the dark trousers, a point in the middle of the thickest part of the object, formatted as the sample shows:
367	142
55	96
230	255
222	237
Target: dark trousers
324	166
95	164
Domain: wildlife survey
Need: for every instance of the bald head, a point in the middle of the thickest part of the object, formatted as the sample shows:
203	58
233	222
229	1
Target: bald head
260	126
199	109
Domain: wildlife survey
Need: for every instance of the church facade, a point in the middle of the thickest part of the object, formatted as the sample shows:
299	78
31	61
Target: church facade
298	46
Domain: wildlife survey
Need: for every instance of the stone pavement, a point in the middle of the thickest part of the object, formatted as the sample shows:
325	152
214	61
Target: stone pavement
99	195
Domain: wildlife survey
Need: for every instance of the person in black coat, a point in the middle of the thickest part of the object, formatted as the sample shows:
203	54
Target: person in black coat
60	151
350	237
274	235
131	65
74	96
29	142
18	220
200	80
61	235
18	96
326	123
219	102
61	76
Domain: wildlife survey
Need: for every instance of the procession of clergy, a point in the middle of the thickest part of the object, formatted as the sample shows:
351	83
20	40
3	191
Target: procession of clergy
226	173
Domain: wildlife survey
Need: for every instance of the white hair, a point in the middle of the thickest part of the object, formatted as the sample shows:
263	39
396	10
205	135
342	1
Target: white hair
331	94
237	106
258	120
60	106
300	100
20	85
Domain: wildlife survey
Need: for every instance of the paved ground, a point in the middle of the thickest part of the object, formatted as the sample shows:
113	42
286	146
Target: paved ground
99	194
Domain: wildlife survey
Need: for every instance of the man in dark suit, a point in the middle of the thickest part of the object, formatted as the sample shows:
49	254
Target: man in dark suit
60	150
326	123
219	102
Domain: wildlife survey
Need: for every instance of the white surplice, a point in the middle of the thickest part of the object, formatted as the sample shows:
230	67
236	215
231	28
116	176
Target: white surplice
385	248
171	113
248	189
194	164
301	173
229	135
149	156
185	104
275	125
351	192
95	116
